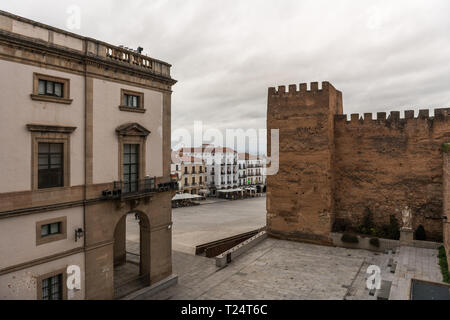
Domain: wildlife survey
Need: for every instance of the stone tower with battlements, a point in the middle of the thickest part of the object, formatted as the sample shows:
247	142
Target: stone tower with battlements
333	170
300	202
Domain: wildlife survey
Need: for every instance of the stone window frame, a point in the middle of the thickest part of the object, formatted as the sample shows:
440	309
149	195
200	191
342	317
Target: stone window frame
40	240
141	141
42	277
38	97
141	106
49	134
132	133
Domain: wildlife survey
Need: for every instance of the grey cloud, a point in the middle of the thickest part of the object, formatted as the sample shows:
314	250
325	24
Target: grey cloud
383	55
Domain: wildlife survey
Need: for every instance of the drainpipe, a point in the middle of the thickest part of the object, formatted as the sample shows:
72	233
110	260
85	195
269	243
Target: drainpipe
85	166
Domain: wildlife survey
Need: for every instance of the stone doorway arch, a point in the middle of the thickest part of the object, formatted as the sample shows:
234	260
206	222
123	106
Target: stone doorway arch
131	259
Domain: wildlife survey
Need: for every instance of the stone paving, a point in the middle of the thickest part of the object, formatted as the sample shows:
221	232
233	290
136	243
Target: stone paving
193	226
417	263
275	269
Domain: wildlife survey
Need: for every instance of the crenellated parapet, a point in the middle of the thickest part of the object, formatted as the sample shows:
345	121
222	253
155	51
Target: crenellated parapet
301	89
394	117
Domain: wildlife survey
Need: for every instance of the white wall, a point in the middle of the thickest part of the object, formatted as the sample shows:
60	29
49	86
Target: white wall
22	285
18	110
18	244
107	117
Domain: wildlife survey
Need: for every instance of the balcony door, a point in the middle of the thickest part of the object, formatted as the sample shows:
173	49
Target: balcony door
130	167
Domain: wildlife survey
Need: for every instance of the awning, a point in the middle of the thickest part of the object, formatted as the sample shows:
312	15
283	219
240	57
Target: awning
230	190
186	196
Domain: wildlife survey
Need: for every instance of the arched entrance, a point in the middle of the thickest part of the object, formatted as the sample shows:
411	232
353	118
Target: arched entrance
131	253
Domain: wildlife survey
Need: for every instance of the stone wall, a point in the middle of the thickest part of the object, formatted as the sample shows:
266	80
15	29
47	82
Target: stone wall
384	165
447	200
334	170
300	202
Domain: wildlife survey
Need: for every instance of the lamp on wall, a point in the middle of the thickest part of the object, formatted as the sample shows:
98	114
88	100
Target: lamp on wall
79	233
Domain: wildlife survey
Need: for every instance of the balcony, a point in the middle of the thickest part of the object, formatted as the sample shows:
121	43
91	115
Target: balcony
136	189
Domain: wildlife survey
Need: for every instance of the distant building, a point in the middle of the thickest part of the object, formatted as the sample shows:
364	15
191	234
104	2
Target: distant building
251	173
221	166
190	173
227	171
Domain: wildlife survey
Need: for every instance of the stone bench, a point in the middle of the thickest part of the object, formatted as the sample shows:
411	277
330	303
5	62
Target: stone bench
385	290
390	262
393	268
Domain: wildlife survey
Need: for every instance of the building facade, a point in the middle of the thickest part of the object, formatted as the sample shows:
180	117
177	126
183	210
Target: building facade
87	129
333	172
221	166
251	172
191	175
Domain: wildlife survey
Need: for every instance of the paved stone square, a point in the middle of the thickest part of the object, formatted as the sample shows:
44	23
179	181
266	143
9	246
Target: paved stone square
197	225
275	269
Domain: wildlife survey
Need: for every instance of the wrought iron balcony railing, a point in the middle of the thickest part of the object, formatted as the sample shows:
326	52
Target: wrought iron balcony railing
135	188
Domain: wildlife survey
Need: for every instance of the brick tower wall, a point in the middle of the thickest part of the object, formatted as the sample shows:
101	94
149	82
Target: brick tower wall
300	201
447	200
386	164
334	170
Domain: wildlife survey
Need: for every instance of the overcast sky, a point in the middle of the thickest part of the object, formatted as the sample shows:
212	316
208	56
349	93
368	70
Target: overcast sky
383	55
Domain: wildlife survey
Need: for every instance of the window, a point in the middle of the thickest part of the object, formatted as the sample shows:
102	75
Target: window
51	88
50	229
50	165
186	182
185	170
52	288
131	101
130	167
193	181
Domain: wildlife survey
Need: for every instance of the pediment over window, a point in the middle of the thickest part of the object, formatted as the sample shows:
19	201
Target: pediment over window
132	129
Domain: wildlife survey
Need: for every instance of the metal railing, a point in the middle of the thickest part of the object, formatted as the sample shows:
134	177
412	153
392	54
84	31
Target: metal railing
148	185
